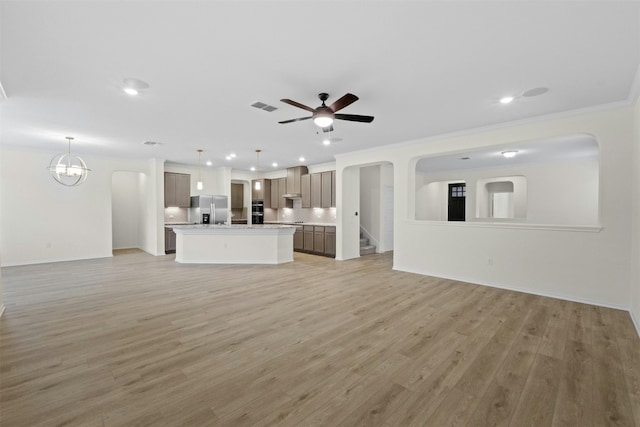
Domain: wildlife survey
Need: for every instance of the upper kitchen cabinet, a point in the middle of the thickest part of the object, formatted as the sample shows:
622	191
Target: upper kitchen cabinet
237	196
278	187
327	190
282	190
305	190
323	193
333	189
316	190
294	176
177	190
261	190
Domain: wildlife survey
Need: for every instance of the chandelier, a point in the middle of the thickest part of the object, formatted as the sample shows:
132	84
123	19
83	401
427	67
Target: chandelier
68	169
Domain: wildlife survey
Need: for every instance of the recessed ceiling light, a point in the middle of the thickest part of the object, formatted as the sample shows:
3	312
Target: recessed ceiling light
253	168
232	155
506	99
510	153
134	86
302	159
228	157
326	141
274	164
209	163
151	143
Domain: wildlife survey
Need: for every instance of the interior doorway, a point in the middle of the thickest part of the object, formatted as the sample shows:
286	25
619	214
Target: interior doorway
457	198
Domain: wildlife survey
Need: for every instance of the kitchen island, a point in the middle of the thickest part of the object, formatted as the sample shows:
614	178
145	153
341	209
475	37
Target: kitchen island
234	244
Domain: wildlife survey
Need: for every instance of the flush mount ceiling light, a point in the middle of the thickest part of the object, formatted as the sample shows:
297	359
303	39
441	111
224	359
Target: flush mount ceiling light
301	159
199	185
509	154
506	99
274	164
134	86
67	169
209	163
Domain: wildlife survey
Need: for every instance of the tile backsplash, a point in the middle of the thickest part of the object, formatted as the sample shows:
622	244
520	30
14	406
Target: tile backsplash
298	213
176	214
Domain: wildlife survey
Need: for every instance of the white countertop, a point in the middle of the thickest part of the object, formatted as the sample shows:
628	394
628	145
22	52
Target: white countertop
245	229
233	226
321	224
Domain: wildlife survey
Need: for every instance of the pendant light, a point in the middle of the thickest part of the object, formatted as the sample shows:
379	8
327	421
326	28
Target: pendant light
257	185
67	169
199	185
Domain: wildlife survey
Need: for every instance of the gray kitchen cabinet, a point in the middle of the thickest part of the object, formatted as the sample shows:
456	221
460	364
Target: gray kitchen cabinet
275	194
326	191
316	190
278	189
330	241
333	189
169	241
282	190
298	239
294	176
307	238
237	196
315	239
177	190
318	240
305	190
263	193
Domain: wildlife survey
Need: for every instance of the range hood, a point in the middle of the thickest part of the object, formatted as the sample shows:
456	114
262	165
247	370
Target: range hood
292	196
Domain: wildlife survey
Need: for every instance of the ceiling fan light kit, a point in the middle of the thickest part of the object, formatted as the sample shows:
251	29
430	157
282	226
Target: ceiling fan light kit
324	115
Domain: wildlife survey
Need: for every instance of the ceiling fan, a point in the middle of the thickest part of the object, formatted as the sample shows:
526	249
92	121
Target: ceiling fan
324	115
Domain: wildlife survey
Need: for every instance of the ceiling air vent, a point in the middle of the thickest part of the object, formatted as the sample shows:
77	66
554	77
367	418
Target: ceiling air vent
262	106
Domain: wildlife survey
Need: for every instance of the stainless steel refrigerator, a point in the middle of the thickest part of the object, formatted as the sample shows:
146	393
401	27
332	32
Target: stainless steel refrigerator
216	208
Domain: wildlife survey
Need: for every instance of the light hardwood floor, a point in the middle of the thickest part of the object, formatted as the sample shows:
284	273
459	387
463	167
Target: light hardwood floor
136	340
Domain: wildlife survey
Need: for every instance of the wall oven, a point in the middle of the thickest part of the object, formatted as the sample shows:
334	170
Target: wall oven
257	212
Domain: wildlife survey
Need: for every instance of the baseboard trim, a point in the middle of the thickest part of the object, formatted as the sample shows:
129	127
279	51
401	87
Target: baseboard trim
516	289
2	307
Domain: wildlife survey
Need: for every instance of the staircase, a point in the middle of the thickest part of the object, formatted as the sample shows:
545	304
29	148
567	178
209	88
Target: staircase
365	247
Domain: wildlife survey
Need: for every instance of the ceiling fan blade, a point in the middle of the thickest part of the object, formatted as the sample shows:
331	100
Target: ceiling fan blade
354	118
297	104
295	120
328	129
345	101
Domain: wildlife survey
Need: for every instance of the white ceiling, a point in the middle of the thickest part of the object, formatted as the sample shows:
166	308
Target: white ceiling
421	68
567	148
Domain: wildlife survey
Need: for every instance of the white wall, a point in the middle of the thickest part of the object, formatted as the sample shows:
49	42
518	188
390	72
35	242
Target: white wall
43	221
370	203
587	264
635	229
556	193
125	198
386	208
